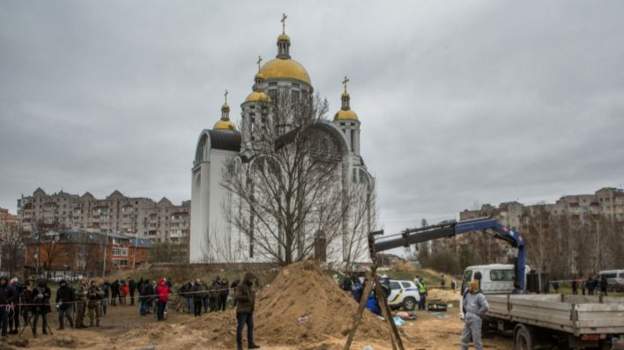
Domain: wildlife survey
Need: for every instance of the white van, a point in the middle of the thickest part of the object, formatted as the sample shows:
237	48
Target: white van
615	279
495	278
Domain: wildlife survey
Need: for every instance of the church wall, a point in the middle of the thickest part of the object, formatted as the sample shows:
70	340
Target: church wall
199	213
212	237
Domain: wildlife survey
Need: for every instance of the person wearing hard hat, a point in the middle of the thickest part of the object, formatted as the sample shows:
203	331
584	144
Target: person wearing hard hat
474	307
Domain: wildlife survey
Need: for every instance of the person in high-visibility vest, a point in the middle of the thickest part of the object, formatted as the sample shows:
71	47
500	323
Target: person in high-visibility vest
422	290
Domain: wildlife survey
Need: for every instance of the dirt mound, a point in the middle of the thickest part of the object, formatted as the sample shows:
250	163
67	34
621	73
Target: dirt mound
302	305
404	266
302	308
446	295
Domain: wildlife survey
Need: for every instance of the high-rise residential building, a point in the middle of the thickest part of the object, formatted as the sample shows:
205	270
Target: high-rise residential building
607	202
142	217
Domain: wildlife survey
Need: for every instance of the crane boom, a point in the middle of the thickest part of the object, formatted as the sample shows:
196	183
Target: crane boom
450	229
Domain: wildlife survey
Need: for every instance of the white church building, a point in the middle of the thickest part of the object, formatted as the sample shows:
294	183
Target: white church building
213	238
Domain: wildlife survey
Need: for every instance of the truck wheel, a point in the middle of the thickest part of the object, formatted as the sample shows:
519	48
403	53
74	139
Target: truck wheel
523	338
409	304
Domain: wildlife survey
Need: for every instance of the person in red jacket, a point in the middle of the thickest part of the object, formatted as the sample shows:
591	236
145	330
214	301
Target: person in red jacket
162	290
123	292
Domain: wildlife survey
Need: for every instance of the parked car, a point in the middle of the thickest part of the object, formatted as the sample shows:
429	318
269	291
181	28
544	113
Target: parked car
403	294
615	279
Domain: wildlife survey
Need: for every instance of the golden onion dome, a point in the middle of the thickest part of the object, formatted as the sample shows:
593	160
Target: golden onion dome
224	125
279	68
345	115
283	37
258	96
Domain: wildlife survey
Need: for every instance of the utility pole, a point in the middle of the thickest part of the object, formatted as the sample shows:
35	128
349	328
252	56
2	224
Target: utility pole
104	255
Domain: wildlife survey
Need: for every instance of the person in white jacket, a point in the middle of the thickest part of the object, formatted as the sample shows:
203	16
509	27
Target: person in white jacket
474	307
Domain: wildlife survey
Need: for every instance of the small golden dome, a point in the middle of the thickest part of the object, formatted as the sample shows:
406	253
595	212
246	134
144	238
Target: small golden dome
259	76
279	68
283	37
224	125
345	115
258	96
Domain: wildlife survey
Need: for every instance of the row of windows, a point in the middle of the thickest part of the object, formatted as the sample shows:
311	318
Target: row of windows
120	251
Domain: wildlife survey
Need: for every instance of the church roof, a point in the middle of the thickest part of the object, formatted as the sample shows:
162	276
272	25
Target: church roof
288	68
229	140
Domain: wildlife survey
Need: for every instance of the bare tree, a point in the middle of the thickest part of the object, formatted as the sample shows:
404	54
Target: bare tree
47	248
539	236
11	249
362	219
289	193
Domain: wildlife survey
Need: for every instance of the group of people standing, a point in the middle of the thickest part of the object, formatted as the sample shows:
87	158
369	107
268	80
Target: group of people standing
154	296
209	297
28	302
591	285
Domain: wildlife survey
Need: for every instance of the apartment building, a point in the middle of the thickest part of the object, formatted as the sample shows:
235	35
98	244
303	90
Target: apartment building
142	217
607	202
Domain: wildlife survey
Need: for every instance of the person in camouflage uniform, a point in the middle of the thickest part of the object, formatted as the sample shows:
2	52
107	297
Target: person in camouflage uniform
94	296
81	304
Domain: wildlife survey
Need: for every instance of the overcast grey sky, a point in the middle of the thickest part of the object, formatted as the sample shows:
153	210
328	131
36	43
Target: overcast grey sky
461	102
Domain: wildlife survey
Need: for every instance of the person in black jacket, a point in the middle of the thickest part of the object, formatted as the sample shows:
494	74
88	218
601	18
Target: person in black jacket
105	287
197	293
604	285
6	298
147	294
26	298
65	296
223	294
132	286
41	303
14	314
114	292
245	307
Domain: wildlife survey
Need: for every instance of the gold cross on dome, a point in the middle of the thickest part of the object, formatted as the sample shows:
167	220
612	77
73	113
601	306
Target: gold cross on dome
225	95
259	62
283	20
344	83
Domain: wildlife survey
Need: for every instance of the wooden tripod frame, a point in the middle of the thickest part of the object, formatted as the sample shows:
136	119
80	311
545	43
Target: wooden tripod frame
372	282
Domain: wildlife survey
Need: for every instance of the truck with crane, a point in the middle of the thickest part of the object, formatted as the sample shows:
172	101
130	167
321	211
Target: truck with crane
536	321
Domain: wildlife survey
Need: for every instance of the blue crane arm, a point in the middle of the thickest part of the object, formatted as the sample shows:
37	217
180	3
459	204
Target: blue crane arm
450	229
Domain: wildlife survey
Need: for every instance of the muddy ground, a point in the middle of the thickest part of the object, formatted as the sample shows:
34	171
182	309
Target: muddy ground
429	331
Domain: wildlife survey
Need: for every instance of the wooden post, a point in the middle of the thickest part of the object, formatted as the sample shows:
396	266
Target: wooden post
394	332
368	287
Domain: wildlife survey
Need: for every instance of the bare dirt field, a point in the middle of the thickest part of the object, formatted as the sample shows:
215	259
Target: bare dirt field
124	329
301	309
